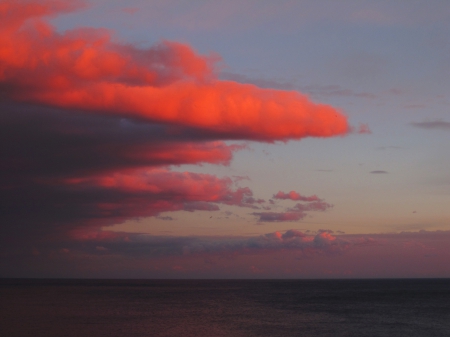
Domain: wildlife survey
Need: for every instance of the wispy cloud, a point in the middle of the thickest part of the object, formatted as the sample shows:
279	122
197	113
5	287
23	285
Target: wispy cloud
389	147
438	124
322	91
260	82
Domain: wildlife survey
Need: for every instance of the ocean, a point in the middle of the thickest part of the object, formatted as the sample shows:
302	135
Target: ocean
398	307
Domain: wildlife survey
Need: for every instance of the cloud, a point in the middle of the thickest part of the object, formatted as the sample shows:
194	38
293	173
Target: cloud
128	253
166	218
390	147
130	10
363	129
379	172
97	201
295	213
61	169
323	241
292	195
334	90
279	254
51	141
92	128
319	205
415	106
279	216
318	91
260	82
432	125
168	83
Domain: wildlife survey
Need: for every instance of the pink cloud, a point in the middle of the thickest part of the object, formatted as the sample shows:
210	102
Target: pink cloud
93	127
292	195
361	129
168	83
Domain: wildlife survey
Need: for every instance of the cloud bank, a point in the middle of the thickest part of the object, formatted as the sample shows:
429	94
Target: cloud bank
289	254
91	127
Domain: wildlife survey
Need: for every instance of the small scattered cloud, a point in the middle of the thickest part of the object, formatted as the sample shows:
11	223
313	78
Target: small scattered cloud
292	195
414	106
260	82
395	91
334	90
379	172
318	206
295	213
167	218
279	216
130	10
237	179
362	129
438	124
390	147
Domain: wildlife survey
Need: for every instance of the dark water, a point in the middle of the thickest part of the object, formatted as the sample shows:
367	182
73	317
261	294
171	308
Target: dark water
225	308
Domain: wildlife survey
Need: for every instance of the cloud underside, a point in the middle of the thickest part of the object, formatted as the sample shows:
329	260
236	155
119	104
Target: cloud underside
91	127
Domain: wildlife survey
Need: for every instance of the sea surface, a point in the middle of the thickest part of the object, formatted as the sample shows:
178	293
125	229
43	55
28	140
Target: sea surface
409	307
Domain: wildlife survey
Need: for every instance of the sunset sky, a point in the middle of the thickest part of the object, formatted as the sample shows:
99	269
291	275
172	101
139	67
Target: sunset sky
224	139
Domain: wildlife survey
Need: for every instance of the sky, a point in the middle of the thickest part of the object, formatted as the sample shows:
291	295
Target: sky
224	139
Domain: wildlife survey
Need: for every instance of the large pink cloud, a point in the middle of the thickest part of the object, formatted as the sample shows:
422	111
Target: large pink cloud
168	83
93	128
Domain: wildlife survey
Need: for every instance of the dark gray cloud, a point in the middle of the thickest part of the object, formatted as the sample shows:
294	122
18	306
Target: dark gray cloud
378	172
61	169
